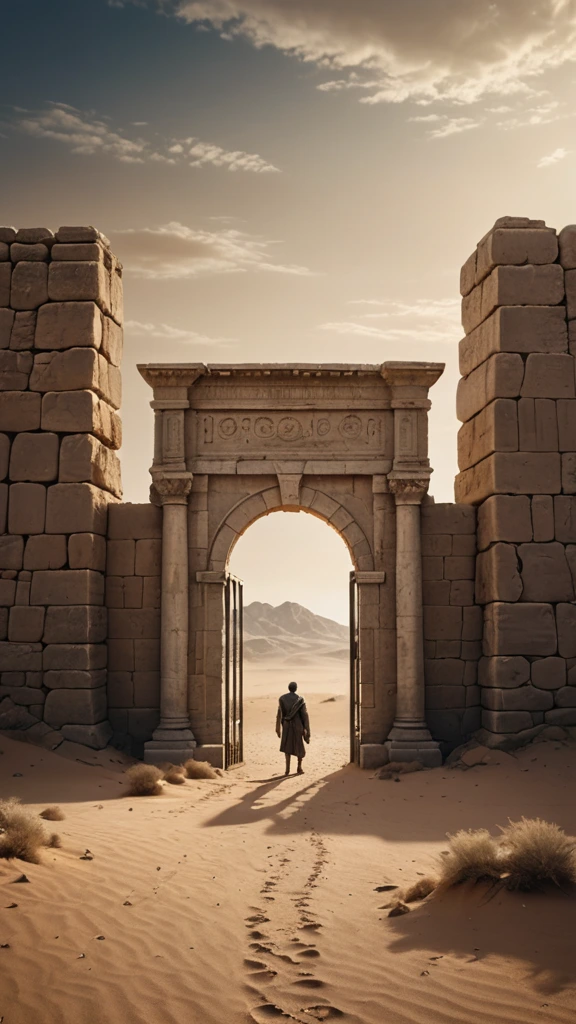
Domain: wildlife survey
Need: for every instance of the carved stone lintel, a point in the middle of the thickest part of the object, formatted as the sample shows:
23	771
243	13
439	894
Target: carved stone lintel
368	576
170	489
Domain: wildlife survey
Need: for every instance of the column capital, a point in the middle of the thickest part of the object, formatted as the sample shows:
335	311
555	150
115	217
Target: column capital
170	488
408	490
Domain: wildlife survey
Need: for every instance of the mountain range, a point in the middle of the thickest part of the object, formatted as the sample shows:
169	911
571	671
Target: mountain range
291	633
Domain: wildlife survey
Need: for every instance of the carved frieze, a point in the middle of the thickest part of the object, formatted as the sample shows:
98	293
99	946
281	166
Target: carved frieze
332	431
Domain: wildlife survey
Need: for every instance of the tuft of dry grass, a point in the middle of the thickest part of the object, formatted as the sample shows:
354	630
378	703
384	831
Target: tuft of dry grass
176	775
199	769
52	813
537	852
472	856
398	908
394	768
143	780
419	890
54	841
21	834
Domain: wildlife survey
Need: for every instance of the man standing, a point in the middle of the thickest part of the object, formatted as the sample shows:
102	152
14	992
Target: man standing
293	726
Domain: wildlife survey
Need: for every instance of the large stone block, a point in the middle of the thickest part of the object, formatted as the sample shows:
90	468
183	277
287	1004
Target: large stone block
23	330
445	518
521	698
63	325
436	592
29	287
513	286
76	508
459	567
34	457
112	341
81	281
472	623
548	673
569	472
26	508
45	552
537	425
6	322
14	717
148	558
120	557
444	672
120	656
147	654
34	253
570	281
504	518
120	690
79	233
4	455
510	473
5	278
493	429
438	697
499	377
20	657
565	518
548	376
11	551
77	251
26	625
31	236
3	507
515	247
69	657
566	622
497	574
81	411
83	458
543	517
565	697
504	672
87	551
506	721
67	587
144	521
525	629
19	410
561	716
139	623
566	412
76	369
14	370
567	243
96	736
545	573
443	623
75	624
75	707
147	689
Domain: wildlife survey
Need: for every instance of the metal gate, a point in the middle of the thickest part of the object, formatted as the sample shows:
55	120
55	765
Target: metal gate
233	679
354	670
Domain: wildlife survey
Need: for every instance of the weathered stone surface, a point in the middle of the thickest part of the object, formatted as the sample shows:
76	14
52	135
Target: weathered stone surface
137	522
543	517
570	281
34	457
506	721
497	574
14	370
26	508
26	625
504	518
537	425
76	508
76	369
29	286
121	557
566	622
81	281
569	472
438	544
524	629
19	411
549	673
67	586
77	251
143	623
14	717
515	247
438	697
443	623
68	657
45	552
120	657
76	411
96	736
64	325
513	286
545	573
5	278
444	672
11	552
494	428
87	551
84	458
31	236
548	375
82	233
521	698
504	672
565	697
75	707
20	657
567	243
443	518
510	473
6	323
566	412
499	377
75	624
112	341
4	455
23	330
33	253
148	558
4	251
7	235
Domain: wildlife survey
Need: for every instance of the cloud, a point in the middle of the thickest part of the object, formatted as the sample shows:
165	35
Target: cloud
553	158
89	135
453	126
165	332
427	320
174	251
425	50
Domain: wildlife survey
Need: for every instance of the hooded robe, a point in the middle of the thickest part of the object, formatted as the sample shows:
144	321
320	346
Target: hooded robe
293	718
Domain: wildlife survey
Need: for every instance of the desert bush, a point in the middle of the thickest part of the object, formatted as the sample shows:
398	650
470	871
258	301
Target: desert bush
143	780
199	769
419	890
52	814
21	834
54	841
537	852
472	856
175	775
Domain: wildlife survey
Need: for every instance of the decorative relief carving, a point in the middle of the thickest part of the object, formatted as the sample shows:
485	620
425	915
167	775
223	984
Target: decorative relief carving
208	429
407	438
350	427
170	489
227	427
408	490
173	436
332	431
264	427
290	429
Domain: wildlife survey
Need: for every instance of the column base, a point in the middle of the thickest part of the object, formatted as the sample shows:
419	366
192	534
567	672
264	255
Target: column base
411	741
173	745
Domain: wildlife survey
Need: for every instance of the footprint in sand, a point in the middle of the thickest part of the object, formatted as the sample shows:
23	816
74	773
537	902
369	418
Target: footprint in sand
268	1011
323	1012
310	953
309	983
257	919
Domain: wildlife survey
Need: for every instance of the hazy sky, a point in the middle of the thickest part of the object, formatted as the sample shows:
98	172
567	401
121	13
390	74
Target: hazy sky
288	179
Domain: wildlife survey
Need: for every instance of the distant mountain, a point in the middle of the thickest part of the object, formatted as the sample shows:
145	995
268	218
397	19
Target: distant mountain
291	633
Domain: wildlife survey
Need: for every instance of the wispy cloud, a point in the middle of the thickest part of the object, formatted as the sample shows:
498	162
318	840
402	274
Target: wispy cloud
174	251
553	158
165	332
426	320
453	126
88	135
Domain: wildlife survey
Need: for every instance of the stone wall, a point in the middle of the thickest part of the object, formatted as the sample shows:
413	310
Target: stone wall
517	456
133	600
452	622
60	353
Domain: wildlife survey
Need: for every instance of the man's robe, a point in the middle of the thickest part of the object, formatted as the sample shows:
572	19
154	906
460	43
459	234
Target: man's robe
293	719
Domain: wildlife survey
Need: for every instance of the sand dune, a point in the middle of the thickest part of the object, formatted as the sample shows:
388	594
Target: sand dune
252	898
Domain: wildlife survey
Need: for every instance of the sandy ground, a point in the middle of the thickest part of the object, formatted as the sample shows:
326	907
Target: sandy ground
252	898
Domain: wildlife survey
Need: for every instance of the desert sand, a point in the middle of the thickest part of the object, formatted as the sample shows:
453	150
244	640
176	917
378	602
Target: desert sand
252	898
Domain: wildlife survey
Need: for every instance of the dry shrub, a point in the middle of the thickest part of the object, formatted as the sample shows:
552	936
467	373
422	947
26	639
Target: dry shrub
143	780
419	890
175	776
537	852
199	769
21	834
473	856
52	814
54	841
388	771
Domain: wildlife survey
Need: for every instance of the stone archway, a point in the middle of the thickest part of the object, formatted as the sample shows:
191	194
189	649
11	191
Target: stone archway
347	443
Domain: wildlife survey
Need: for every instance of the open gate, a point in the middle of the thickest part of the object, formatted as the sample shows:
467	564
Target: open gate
233	677
354	670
